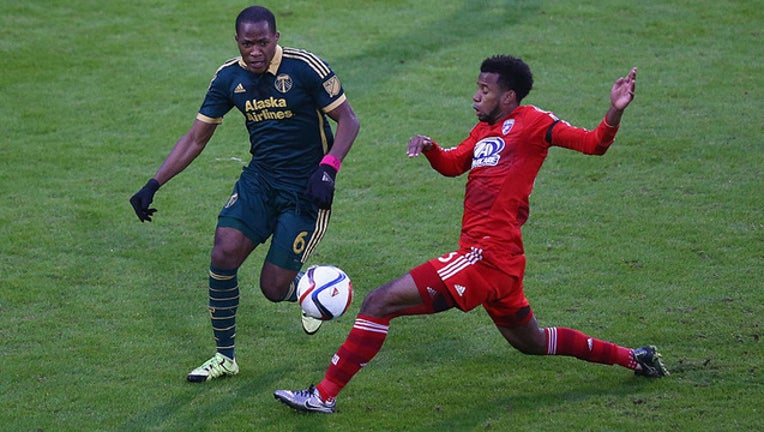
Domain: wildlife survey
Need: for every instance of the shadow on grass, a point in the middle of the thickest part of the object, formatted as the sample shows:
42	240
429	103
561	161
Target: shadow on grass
391	54
528	405
204	406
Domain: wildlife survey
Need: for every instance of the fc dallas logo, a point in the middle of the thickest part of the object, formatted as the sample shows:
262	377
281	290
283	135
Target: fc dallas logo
507	126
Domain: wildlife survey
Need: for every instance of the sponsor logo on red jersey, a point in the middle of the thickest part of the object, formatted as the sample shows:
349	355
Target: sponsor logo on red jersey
487	152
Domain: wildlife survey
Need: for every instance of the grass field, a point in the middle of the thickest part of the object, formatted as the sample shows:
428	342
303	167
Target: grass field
661	241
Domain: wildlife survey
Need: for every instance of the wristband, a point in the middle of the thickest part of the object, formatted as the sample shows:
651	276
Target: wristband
332	161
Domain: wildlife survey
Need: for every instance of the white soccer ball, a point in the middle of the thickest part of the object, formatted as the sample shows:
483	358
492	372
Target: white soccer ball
325	292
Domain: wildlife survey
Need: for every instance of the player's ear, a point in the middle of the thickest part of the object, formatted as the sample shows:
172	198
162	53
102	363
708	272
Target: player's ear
509	97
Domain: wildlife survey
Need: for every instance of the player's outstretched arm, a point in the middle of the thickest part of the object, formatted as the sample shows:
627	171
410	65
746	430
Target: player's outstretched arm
188	147
621	96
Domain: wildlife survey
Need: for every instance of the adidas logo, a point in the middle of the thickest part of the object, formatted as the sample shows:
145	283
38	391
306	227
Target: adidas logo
327	179
239	89
460	289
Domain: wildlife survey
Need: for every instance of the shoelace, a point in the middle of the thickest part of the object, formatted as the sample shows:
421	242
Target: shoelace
307	392
212	365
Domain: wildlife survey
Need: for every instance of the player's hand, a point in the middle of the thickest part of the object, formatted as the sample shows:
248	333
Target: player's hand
418	144
622	92
143	198
320	188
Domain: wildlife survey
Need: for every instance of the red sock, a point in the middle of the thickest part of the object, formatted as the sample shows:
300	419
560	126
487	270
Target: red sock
569	342
362	344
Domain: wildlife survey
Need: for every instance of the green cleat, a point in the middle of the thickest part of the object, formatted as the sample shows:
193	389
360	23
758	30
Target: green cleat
310	325
216	367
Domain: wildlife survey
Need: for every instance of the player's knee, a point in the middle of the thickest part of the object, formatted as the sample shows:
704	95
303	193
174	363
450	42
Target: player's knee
224	257
374	304
274	289
273	294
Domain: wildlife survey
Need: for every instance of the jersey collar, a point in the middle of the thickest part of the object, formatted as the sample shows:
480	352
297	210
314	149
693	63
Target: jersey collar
275	61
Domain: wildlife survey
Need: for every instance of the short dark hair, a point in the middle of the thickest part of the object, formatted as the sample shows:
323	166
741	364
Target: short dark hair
514	74
255	14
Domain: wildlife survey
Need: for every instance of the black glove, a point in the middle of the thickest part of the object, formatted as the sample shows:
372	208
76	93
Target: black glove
320	188
143	198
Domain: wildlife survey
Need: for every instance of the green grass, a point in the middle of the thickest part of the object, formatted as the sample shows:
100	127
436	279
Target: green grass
660	241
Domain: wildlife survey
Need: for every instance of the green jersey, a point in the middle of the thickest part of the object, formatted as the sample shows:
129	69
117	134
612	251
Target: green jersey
285	112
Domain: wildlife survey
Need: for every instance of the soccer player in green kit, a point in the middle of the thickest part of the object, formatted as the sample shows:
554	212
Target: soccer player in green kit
285	193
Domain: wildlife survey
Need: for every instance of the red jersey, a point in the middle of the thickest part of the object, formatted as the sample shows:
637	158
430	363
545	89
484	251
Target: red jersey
503	160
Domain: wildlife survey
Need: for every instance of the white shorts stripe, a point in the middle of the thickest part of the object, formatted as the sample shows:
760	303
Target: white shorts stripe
460	263
453	268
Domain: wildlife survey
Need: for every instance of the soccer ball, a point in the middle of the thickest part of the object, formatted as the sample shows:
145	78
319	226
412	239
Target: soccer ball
324	292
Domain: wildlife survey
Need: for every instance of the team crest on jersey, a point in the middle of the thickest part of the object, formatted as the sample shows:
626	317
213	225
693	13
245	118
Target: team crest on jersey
487	152
283	83
332	86
507	126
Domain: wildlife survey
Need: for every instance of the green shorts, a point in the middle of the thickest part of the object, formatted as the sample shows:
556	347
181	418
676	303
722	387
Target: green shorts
260	211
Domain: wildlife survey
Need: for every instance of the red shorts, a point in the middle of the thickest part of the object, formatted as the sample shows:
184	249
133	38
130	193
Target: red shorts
469	281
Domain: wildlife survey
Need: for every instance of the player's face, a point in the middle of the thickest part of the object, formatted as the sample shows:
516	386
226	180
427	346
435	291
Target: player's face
488	98
257	45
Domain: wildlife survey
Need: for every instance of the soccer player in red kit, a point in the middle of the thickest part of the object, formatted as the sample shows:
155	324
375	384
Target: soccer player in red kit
502	154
